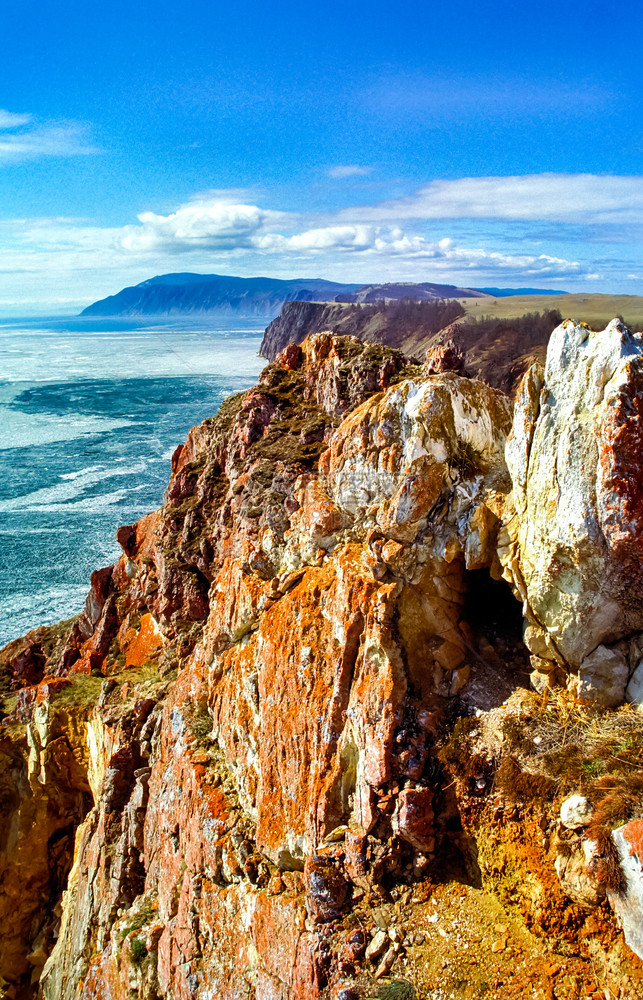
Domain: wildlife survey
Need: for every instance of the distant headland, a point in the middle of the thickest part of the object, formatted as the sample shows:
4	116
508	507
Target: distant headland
261	297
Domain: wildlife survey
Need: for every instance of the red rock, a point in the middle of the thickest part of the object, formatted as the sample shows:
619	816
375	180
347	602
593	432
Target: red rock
126	538
413	818
300	601
326	888
290	357
445	358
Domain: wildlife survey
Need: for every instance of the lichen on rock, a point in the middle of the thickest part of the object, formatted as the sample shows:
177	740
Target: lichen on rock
575	445
287	707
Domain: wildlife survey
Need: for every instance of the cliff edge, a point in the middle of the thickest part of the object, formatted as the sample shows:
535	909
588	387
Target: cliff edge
356	709
498	352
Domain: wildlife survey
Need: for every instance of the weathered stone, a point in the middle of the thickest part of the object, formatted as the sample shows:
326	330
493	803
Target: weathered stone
602	677
628	905
376	946
397	453
575	443
326	889
540	681
354	945
346	993
387	963
577	877
634	690
413	818
575	811
444	358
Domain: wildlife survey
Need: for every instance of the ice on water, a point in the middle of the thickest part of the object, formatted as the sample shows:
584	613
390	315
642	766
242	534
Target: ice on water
90	412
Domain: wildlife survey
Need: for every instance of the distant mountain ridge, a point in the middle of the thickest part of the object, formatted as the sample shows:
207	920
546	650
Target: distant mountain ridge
419	291
185	292
182	293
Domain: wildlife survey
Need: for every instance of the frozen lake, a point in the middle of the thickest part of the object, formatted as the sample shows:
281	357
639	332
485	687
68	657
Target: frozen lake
90	413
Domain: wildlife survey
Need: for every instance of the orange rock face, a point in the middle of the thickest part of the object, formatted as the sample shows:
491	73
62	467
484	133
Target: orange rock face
271	659
316	627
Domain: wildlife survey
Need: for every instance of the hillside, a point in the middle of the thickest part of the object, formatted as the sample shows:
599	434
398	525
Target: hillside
186	292
180	294
595	309
500	337
419	292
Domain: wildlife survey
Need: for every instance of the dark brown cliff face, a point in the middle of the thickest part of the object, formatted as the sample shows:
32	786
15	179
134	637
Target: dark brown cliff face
395	323
258	742
296	321
498	352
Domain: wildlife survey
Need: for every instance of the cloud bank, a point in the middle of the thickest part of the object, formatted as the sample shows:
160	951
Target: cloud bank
221	225
18	142
568	198
470	231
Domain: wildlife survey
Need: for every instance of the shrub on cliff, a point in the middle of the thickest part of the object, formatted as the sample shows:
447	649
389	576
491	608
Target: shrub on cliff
403	317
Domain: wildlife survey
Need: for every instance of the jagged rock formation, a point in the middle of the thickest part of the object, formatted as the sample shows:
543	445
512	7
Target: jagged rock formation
572	456
296	321
498	352
250	730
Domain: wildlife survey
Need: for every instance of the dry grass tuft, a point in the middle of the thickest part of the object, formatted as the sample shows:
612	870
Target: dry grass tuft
577	744
520	785
583	748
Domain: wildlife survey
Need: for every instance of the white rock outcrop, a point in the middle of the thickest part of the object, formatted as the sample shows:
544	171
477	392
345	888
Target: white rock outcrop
628	905
575	550
575	812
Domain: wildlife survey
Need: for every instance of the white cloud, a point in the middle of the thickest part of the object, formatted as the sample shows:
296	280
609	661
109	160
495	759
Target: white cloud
392	243
62	138
9	119
571	198
216	229
349	170
323	238
214	223
220	225
229	231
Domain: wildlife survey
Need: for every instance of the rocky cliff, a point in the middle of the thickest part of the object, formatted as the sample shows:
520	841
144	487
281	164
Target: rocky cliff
405	324
297	320
291	748
496	351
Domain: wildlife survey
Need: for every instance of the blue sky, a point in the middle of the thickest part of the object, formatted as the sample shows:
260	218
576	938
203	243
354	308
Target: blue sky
484	143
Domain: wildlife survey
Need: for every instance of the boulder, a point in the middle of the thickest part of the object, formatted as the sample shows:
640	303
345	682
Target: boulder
413	819
577	877
574	455
602	677
634	690
628	905
575	812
